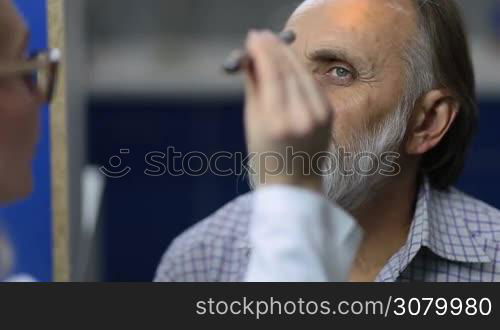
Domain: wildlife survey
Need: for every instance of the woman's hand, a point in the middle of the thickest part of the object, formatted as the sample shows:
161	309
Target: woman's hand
286	113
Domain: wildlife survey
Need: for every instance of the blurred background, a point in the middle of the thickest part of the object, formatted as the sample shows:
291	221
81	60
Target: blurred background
145	75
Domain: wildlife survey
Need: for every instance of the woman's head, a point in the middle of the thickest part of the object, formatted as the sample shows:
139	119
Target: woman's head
19	109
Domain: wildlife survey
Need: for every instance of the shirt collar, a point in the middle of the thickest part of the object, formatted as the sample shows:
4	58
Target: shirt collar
440	225
448	234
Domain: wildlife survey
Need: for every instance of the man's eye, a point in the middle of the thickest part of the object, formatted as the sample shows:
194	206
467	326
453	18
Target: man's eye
340	75
340	72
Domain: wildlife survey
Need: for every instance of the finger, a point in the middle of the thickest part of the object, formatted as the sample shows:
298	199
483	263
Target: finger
310	89
297	98
296	114
250	83
300	117
251	108
268	74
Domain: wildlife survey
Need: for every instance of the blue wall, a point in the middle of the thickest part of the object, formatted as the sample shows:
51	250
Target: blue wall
140	214
28	224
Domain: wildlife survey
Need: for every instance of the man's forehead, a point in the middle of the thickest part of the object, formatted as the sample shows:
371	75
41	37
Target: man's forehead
391	19
308	4
400	6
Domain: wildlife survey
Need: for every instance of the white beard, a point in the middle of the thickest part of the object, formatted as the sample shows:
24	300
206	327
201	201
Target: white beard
352	191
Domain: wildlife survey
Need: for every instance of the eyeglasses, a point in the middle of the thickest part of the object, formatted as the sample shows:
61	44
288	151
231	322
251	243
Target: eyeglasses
39	70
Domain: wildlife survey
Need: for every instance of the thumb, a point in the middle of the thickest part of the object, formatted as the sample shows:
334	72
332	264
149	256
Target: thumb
250	81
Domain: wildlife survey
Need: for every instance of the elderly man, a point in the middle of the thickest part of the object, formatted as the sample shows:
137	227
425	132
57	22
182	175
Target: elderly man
383	77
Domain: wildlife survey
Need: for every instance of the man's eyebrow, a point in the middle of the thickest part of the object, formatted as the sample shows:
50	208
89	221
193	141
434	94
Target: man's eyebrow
327	55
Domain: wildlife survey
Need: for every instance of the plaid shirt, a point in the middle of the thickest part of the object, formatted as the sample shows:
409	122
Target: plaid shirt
453	238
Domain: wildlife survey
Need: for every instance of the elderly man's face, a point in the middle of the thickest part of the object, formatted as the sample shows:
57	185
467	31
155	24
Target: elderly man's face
355	49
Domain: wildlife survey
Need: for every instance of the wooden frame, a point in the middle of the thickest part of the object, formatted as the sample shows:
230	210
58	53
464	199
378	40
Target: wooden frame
59	151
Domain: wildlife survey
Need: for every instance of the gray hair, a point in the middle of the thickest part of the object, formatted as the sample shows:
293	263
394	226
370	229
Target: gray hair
439	57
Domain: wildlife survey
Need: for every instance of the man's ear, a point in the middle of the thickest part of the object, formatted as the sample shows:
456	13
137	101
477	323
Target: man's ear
434	114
